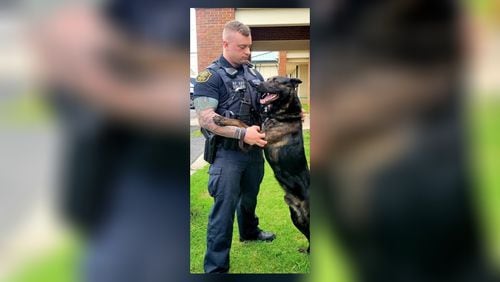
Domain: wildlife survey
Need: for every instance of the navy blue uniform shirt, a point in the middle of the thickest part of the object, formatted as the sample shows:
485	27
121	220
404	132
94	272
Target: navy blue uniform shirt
211	84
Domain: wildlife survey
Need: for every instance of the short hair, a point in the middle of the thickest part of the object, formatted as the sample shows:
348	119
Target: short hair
235	26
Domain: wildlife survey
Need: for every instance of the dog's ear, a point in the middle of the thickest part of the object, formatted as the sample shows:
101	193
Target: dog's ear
295	81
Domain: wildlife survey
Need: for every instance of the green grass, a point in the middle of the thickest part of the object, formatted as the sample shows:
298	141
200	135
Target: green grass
486	9
279	256
305	107
196	133
58	265
27	110
485	140
329	260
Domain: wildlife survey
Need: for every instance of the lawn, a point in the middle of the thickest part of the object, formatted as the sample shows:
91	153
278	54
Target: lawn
28	110
306	107
280	256
485	140
58	265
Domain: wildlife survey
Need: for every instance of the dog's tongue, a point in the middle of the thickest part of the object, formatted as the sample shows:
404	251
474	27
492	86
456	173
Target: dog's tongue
268	98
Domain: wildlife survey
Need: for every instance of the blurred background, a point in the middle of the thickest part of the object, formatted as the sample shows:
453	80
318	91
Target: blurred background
403	146
94	140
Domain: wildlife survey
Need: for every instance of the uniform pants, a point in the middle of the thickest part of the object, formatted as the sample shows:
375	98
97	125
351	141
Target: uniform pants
234	182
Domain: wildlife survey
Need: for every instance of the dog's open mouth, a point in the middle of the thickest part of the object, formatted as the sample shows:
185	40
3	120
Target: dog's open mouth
267	98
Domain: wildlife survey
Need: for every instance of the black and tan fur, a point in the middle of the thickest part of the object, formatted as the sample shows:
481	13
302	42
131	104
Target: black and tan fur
282	124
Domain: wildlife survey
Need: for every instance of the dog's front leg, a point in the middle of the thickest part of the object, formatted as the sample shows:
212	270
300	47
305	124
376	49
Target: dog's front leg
223	121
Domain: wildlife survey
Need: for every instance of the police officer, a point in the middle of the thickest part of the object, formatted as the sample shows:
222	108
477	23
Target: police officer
227	88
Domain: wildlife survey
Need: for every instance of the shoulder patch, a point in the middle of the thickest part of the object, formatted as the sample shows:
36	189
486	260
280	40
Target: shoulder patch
203	76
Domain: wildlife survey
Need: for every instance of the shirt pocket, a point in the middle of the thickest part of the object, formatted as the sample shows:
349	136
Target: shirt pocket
213	180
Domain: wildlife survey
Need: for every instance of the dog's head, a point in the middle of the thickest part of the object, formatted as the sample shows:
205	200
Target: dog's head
278	90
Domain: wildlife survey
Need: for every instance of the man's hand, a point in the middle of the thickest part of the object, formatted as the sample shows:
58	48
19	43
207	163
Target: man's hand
254	137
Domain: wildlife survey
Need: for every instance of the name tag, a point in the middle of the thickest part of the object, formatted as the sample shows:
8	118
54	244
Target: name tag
238	84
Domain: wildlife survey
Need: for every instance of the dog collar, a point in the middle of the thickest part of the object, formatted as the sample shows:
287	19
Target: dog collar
267	108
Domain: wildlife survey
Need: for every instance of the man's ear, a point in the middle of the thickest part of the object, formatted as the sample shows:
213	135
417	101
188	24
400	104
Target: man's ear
295	81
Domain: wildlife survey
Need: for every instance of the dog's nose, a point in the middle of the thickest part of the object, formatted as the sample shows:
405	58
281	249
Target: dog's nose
255	83
261	87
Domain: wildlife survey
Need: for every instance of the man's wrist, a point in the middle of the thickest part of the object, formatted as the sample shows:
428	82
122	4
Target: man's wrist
240	133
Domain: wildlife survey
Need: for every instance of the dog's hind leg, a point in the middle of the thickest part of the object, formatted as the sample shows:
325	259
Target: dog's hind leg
299	212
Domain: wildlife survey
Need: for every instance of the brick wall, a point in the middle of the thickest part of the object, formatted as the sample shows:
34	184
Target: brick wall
209	25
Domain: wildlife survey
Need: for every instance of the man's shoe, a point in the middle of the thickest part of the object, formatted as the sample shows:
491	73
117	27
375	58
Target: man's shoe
261	236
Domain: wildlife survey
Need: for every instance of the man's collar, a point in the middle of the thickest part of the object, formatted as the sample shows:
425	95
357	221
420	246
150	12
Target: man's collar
225	63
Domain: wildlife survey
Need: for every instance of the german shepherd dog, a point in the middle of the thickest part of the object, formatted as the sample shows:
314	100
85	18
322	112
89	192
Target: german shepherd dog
282	123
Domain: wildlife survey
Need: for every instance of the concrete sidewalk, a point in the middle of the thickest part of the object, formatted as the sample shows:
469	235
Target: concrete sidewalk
30	222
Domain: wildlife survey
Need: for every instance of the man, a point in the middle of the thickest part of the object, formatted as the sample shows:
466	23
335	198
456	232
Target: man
115	70
227	88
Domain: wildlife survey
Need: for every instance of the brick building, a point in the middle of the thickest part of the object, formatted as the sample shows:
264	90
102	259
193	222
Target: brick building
285	30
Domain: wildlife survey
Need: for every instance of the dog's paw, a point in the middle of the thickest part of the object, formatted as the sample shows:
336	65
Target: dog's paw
218	120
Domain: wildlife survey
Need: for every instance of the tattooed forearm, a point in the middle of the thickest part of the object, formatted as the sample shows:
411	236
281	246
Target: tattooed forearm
206	120
205	109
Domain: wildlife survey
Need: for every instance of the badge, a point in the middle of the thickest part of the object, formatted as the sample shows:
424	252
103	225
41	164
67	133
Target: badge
203	76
